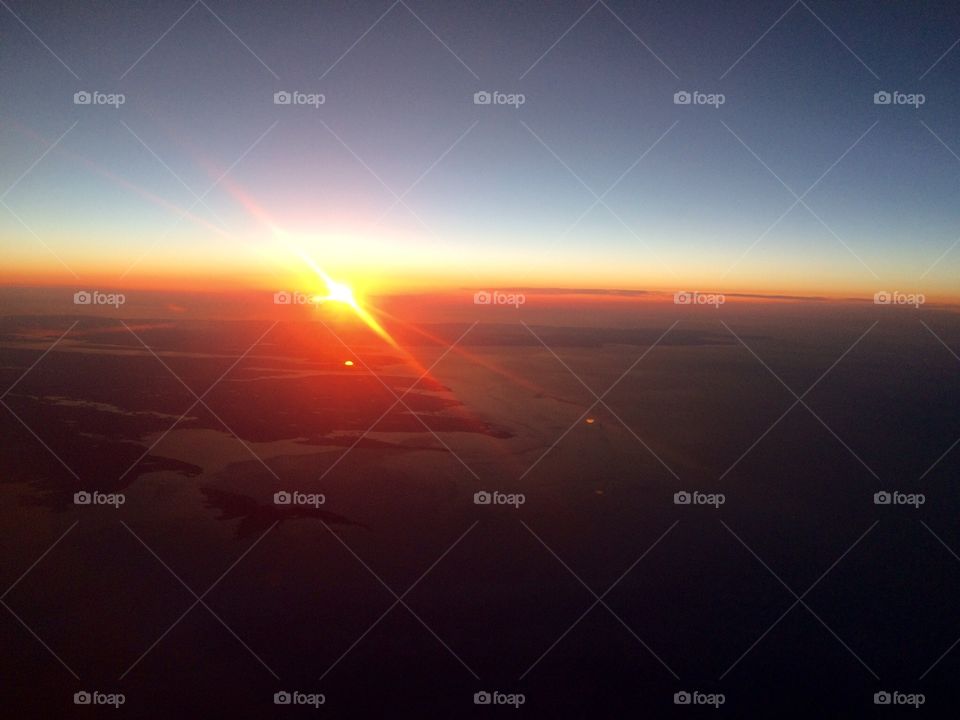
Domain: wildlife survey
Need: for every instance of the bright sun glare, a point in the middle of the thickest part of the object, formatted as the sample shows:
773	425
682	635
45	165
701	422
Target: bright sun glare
339	292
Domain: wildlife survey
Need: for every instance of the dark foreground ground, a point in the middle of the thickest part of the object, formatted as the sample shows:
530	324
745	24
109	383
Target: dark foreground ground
400	596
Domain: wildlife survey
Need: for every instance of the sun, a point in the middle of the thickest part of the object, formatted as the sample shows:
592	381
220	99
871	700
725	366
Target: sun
337	292
340	293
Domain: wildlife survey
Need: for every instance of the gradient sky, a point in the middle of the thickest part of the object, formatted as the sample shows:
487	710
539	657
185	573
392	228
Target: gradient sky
494	191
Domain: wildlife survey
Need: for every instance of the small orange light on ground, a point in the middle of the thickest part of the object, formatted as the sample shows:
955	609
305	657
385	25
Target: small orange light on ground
348	363
591	421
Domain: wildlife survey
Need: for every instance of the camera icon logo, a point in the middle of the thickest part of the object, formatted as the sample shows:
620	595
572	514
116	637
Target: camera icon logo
282	698
82	698
682	698
882	298
282	298
482	298
682	297
82	498
82	98
882	698
882	498
482	698
82	297
482	97
282	498
682	97
681	498
882	98
482	498
282	98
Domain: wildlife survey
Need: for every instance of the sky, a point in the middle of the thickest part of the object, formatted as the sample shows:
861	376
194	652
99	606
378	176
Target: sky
399	181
